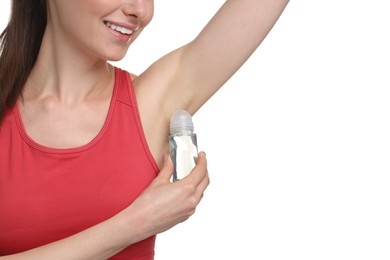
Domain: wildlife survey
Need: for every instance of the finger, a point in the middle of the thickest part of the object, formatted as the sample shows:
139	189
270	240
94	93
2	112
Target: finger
200	170
203	185
167	168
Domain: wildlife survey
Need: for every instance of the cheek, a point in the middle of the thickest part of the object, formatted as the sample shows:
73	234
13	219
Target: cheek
150	13
70	15
99	7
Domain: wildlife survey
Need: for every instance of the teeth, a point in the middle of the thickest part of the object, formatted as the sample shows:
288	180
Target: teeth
119	28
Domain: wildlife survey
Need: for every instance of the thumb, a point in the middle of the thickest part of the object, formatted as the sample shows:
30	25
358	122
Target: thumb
167	168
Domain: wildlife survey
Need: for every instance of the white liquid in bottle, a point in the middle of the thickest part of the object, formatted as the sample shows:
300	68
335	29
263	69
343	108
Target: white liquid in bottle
182	144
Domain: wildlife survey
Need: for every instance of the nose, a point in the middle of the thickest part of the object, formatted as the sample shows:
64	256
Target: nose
135	8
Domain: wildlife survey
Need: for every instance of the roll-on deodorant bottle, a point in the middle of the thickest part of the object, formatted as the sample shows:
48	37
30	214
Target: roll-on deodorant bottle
182	144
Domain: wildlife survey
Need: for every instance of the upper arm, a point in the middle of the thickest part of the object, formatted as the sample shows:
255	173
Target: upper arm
221	48
187	77
197	70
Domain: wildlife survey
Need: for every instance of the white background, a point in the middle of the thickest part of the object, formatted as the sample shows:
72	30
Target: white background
298	141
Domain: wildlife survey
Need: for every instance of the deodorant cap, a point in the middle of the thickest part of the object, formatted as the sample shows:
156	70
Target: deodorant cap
181	122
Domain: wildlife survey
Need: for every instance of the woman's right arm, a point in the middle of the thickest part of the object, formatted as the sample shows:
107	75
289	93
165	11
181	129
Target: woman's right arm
161	206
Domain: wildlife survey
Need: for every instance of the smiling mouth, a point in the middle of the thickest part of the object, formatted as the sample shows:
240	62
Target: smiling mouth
119	28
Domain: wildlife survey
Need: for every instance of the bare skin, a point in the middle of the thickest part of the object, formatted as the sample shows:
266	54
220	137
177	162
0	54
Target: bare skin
72	79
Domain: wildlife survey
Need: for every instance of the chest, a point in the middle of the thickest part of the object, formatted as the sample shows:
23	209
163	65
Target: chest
63	126
47	194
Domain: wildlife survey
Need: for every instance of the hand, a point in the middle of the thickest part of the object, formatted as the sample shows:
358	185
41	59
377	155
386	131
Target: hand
164	204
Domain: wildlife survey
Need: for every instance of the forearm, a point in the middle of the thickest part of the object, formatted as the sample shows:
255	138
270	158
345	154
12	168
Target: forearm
98	242
161	206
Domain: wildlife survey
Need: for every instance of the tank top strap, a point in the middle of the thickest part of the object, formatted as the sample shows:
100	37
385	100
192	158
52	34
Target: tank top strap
125	87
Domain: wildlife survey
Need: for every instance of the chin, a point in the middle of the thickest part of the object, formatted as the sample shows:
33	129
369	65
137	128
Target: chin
114	56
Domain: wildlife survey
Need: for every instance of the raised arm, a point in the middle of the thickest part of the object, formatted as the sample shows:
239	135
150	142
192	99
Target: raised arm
225	44
197	70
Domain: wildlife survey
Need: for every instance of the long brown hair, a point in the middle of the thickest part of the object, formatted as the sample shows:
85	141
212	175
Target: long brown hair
19	47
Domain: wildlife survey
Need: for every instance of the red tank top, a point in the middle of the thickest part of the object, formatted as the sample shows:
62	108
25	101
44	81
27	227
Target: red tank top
48	194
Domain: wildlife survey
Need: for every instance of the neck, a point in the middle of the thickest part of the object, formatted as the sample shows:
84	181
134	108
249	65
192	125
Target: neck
67	73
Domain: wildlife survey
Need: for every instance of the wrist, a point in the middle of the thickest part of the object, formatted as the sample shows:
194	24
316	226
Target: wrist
130	227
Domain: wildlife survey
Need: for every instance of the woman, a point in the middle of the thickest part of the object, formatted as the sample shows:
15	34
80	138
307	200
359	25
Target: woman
81	141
